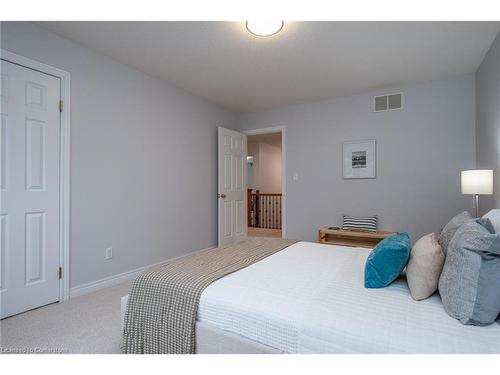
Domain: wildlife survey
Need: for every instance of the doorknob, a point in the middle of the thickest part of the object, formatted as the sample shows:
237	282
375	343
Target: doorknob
221	195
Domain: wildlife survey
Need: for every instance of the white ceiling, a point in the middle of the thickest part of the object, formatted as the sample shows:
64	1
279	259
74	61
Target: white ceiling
307	61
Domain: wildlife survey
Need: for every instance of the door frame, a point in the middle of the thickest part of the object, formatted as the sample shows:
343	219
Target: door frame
276	129
64	160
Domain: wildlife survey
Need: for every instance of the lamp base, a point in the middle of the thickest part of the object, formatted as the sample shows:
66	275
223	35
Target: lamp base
475	204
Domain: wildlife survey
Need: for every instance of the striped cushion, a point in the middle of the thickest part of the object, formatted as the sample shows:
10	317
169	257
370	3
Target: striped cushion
367	224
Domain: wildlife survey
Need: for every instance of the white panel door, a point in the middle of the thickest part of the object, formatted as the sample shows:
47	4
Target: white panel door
232	182
30	126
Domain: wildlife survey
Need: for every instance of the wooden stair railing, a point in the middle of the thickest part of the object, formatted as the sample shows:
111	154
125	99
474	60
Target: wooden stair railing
264	209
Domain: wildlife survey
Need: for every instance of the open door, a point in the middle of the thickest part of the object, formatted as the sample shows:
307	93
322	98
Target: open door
232	187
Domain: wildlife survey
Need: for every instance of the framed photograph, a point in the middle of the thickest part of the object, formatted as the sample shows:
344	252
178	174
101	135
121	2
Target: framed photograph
359	159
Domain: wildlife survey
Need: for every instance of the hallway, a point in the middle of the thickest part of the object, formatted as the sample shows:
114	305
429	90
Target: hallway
263	232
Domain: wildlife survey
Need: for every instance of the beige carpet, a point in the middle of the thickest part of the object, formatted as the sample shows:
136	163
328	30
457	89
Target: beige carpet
86	324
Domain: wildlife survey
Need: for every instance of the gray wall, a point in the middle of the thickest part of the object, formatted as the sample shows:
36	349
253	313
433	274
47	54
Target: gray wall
488	120
143	159
421	151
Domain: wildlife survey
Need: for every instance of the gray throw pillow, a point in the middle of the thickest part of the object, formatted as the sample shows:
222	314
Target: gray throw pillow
449	229
470	282
494	216
424	267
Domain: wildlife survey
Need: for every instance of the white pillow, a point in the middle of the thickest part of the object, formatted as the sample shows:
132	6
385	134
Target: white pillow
494	216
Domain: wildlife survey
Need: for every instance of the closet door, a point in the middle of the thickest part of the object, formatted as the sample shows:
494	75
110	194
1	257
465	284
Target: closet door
29	231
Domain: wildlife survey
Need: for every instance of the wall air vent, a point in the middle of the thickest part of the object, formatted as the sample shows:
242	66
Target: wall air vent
390	102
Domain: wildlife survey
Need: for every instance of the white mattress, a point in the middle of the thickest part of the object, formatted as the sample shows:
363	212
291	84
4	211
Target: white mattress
310	298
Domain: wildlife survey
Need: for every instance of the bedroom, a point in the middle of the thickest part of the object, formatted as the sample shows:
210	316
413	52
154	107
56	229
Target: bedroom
133	142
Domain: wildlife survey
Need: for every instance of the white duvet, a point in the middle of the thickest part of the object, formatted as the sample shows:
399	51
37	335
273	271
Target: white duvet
310	298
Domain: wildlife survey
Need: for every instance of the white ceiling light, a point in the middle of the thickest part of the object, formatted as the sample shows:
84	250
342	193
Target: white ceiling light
264	28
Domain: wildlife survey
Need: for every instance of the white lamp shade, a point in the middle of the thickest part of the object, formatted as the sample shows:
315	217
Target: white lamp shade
477	181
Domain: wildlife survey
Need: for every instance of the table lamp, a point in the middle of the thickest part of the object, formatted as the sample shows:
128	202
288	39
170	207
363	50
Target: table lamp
477	182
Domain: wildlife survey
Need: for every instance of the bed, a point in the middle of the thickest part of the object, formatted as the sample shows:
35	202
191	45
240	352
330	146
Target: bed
310	298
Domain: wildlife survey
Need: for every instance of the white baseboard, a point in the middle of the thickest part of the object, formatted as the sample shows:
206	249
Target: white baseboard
109	281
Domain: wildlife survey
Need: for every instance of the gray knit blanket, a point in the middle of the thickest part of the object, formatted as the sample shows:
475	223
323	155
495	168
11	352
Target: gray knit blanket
163	303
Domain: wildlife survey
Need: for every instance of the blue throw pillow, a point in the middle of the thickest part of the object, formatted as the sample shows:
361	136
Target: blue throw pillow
387	260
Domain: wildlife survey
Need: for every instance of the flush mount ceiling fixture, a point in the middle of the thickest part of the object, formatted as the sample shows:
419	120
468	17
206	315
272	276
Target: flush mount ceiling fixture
264	28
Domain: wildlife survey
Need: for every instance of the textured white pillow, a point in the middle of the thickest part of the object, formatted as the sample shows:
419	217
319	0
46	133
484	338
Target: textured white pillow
424	267
494	216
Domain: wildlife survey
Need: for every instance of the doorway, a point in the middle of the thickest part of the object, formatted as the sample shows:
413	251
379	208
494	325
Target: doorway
265	187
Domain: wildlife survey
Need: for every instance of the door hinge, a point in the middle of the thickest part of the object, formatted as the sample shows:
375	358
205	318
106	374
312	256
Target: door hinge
60	272
61	105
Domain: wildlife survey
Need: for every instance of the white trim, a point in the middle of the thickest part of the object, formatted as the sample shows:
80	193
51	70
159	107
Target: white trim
276	129
64	160
109	281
